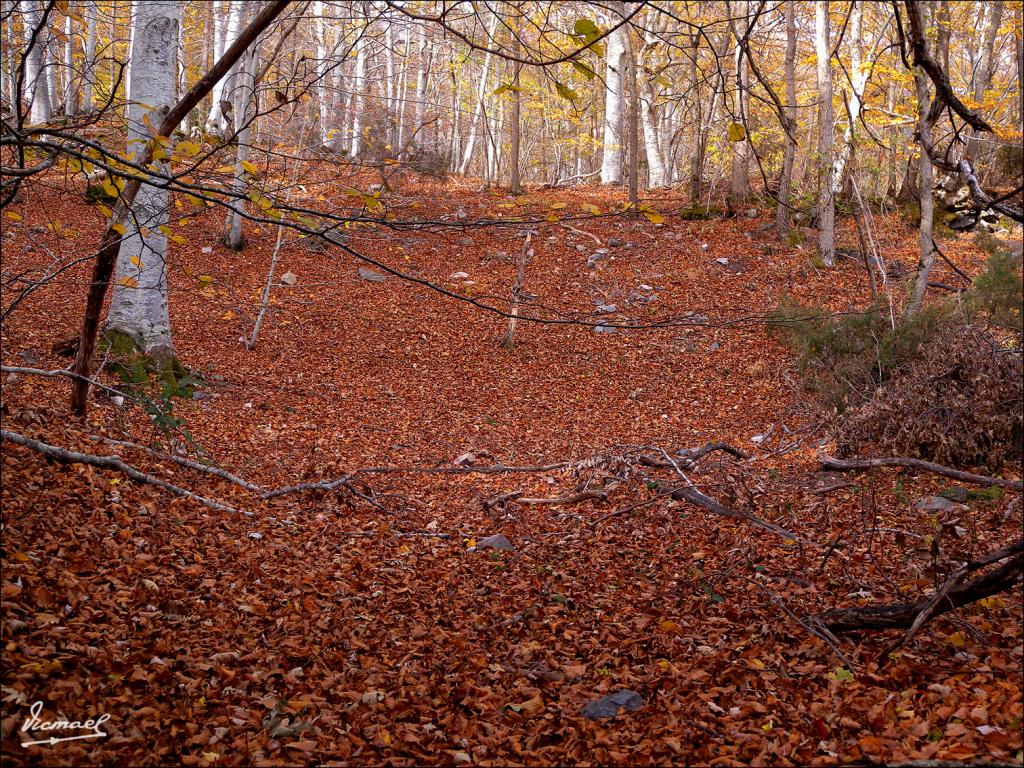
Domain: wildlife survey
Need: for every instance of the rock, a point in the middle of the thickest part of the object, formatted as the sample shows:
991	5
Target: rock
703	246
990	217
614	242
962	223
956	494
609	706
607	308
289	278
255	536
465	459
603	327
645	287
206	249
197	395
466	241
751	213
935	504
497	541
715	346
723	262
369	274
28	356
601	251
458	276
581	248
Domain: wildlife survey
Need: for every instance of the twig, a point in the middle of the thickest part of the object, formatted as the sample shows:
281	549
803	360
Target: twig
65	456
902	461
324	486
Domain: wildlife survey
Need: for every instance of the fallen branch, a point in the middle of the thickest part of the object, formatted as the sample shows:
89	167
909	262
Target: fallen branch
690	456
904	616
331	485
572	498
183	462
828	462
65	456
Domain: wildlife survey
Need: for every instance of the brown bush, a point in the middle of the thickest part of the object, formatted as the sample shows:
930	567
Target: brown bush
958	403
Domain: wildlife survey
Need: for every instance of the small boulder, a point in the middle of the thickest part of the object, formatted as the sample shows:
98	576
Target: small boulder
609	706
369	274
459	276
935	504
603	327
497	541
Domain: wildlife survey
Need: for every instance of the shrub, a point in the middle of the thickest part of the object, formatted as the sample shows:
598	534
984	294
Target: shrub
843	358
996	296
958	403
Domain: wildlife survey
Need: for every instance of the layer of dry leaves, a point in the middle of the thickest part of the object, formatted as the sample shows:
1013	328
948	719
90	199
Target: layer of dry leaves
312	631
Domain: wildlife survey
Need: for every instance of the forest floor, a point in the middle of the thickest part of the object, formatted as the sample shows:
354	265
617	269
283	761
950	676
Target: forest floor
365	624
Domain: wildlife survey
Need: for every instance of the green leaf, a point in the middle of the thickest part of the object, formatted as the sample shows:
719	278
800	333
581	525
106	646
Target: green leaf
587	30
583	69
566	92
842	673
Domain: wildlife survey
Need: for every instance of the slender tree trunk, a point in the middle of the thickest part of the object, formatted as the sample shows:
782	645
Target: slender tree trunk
138	307
323	98
221	123
982	75
926	250
422	73
478	110
634	127
826	128
88	65
358	87
245	110
37	91
697	107
782	213
614	119
515	183
70	91
739	186
859	74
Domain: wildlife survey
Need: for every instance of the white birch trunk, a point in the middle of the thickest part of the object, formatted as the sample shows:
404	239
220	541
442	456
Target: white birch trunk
138	306
70	91
422	76
614	117
982	75
926	251
478	110
219	123
358	84
826	130
323	98
244	108
859	73
37	91
88	63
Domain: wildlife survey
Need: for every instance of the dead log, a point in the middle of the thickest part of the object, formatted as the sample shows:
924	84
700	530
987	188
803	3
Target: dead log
827	462
572	498
65	456
690	456
903	616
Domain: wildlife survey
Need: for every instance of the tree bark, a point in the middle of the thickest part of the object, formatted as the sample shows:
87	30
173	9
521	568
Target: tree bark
826	128
614	119
983	71
138	307
106	256
478	110
782	213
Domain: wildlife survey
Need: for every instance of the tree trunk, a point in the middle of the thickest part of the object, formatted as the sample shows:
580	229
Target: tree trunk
221	123
478	110
926	250
422	74
650	110
138	307
739	185
614	119
70	91
782	213
826	128
982	74
244	109
358	86
859	75
88	65
634	126
37	91
515	183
